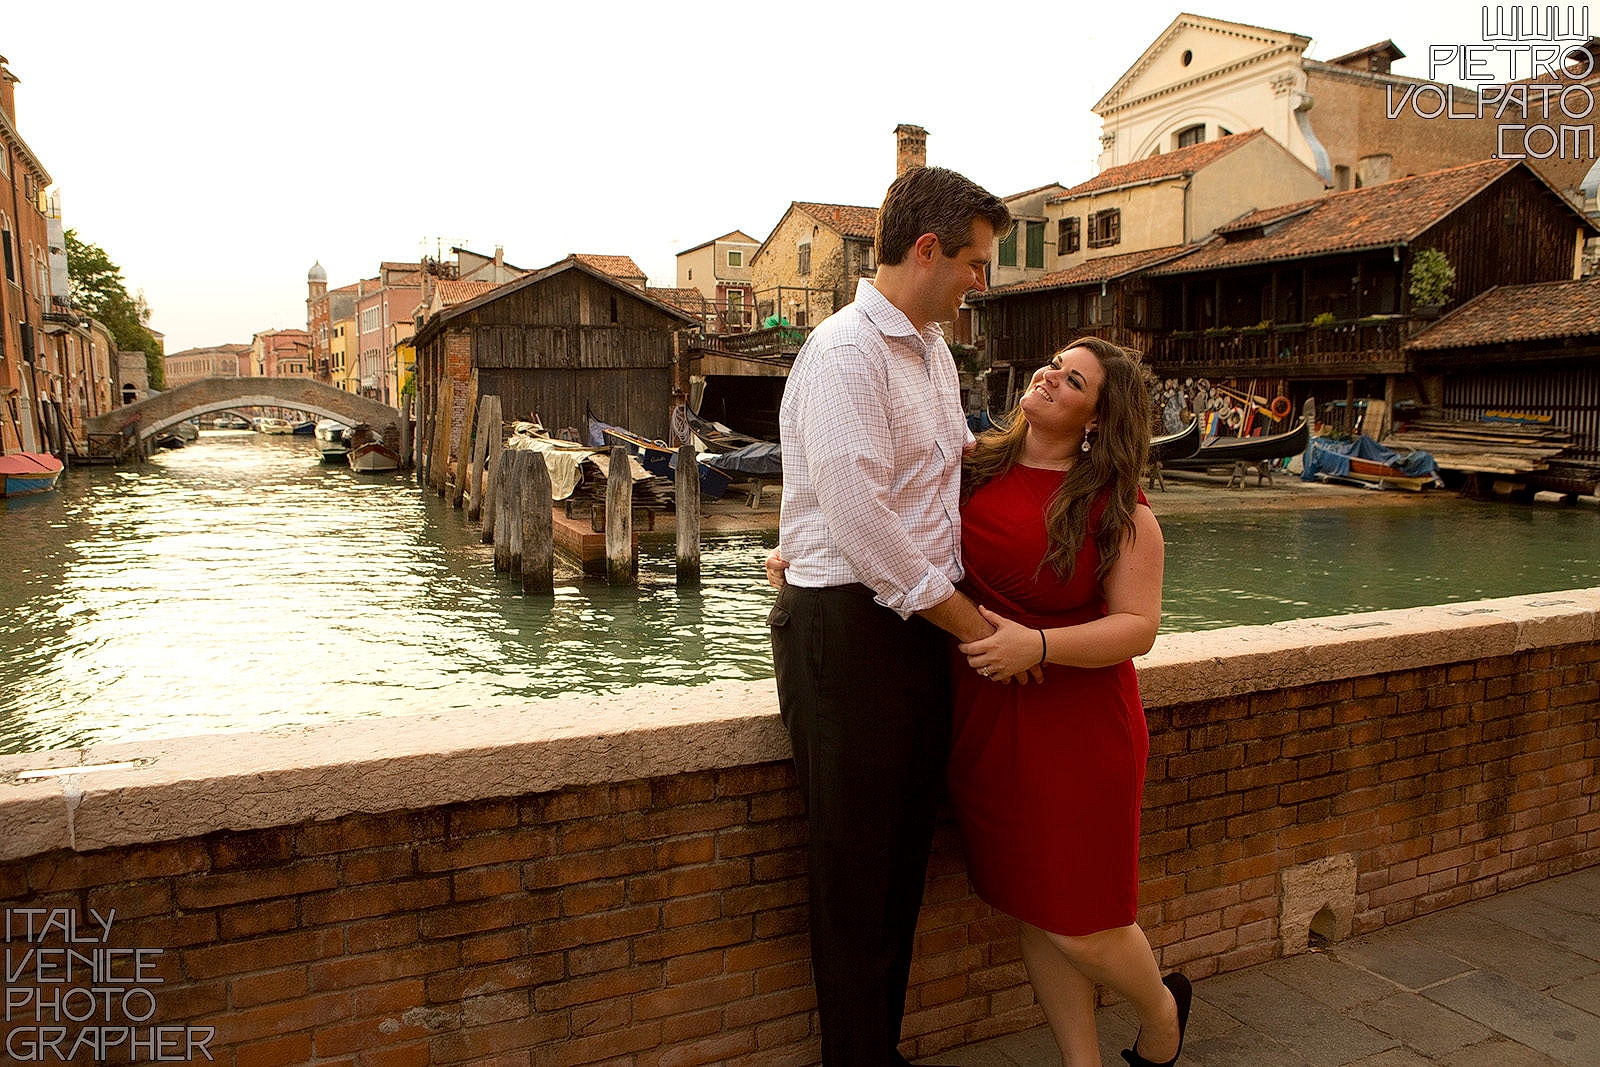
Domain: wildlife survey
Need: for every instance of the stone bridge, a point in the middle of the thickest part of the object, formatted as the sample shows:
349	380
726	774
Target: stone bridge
161	410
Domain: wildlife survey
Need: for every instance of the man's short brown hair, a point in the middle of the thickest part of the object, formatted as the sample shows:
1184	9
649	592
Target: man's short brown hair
937	201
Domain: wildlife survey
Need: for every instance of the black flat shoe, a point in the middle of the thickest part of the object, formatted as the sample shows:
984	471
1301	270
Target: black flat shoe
1182	995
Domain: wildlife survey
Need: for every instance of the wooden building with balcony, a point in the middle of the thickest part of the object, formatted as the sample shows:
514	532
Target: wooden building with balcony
1312	296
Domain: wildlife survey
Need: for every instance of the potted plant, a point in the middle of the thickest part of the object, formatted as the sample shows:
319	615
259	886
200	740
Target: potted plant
1431	279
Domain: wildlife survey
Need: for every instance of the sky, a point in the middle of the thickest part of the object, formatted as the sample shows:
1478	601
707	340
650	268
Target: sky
217	151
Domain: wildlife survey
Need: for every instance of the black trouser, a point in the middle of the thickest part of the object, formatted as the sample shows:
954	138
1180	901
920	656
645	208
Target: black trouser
865	696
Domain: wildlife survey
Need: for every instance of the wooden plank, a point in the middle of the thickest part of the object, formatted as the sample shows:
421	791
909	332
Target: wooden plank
475	467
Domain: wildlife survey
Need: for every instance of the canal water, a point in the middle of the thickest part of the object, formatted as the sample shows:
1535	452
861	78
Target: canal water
240	584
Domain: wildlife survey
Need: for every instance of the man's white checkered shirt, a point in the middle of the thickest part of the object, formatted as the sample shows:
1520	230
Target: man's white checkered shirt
872	432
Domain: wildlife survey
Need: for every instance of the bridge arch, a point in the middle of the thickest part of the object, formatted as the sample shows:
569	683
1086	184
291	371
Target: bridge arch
161	410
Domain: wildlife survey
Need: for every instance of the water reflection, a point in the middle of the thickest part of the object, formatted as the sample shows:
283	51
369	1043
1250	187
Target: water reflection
239	584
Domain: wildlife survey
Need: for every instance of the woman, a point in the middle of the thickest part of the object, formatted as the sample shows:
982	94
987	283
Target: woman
1065	558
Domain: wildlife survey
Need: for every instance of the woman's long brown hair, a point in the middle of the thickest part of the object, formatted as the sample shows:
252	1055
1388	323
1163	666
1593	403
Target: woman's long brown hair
1119	448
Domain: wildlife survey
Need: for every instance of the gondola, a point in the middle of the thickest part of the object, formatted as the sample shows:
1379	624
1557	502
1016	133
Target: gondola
1180	445
1226	451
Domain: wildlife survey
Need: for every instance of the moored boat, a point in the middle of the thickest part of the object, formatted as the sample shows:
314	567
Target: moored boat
1224	451
368	452
276	426
26	473
1180	445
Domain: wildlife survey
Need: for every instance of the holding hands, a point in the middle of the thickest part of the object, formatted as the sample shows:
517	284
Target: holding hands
1012	653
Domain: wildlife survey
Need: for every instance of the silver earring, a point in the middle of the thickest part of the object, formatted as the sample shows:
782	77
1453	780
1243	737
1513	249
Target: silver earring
1085	446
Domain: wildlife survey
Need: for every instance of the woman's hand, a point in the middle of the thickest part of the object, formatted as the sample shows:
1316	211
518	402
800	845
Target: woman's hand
776	565
1012	652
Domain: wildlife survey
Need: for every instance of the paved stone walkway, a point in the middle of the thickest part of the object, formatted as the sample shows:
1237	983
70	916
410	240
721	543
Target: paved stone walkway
1510	981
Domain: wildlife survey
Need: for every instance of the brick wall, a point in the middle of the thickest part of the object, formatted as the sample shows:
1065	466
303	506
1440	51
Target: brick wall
598	916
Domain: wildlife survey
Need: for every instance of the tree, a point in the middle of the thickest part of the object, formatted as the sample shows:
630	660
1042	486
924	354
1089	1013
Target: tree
98	289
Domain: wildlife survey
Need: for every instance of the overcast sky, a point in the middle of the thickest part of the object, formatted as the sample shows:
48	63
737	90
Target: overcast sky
216	151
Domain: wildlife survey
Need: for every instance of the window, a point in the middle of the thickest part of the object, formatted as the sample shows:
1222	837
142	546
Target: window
370	321
1192	135
867	261
11	264
1008	249
1068	235
735	307
735	258
804	266
1105	228
1035	247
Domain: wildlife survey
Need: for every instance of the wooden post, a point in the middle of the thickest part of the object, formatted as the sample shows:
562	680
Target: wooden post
480	447
491	483
515	483
464	442
502	523
621	564
686	496
439	465
538	527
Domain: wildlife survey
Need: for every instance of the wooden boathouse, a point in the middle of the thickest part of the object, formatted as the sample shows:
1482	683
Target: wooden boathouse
553	345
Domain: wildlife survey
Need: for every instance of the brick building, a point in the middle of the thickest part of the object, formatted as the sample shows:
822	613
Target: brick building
31	376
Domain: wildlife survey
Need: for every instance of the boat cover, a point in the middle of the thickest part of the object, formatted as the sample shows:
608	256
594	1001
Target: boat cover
760	459
1327	456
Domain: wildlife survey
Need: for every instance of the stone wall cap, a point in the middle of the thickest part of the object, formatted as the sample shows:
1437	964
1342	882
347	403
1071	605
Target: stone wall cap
137	792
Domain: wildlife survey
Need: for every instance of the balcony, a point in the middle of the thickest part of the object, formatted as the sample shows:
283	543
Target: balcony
766	342
1340	347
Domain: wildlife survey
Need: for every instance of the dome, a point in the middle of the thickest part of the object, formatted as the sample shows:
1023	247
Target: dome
316	273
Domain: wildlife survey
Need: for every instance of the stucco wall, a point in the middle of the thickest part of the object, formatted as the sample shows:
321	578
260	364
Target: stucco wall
620	880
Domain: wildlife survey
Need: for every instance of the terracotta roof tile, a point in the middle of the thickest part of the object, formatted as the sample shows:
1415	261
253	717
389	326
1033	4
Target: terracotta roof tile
847	219
1518	313
451	292
1090	272
616	266
1175	164
1374	217
691	300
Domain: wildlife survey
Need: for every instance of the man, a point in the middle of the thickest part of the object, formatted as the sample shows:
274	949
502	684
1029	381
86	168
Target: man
873	433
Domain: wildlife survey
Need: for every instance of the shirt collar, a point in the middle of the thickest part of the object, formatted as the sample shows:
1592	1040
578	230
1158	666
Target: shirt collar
885	316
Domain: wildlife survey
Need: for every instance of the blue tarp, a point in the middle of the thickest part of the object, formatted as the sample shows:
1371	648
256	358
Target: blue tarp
1326	456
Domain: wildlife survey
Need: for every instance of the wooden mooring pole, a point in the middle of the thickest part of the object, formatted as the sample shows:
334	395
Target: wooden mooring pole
622	566
491	468
458	483
502	520
686	499
538	526
515	463
480	452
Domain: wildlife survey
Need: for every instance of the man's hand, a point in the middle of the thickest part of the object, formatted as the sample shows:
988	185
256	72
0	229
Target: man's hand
1011	653
776	565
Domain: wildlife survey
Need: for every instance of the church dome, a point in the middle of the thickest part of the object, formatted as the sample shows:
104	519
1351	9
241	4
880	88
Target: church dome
316	273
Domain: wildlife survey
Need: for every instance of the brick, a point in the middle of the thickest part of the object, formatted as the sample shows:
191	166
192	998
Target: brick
262	953
348	972
480	1043
721	991
273	1052
370	901
267	986
692	939
485	850
271	917
590	929
292	879
377	865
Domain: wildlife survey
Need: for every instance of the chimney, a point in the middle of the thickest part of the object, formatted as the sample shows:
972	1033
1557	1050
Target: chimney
910	148
499	255
8	91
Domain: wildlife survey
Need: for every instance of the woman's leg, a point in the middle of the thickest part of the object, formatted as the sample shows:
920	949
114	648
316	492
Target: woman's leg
1066	996
1120	959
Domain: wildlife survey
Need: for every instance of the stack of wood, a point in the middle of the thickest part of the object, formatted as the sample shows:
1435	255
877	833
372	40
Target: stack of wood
1504	448
650	492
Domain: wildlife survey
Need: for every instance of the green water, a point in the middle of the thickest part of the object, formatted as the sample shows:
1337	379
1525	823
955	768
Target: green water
239	584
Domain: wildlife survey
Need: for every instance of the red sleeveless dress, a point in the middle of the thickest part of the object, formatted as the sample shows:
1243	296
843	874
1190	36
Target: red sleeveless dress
1047	779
